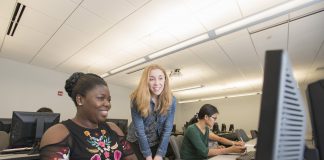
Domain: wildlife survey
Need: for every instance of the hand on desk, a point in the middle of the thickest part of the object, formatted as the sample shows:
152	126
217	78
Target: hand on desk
239	143
237	149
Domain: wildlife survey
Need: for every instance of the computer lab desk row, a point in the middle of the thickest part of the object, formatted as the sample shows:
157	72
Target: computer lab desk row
250	147
12	156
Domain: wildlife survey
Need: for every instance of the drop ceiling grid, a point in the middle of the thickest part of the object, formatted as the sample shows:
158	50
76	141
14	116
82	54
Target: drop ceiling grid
111	10
314	73
306	37
218	14
249	7
57	50
23	46
87	22
270	39
212	55
39	22
59	10
240	50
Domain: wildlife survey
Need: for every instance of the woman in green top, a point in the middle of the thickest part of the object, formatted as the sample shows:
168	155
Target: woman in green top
195	142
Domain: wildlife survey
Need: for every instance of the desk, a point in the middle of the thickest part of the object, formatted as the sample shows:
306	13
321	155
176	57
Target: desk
234	156
18	156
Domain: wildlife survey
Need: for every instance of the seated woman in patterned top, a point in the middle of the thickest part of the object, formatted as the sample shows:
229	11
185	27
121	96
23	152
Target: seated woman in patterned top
86	136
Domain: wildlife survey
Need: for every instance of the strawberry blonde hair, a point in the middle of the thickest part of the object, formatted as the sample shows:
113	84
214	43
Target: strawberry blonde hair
141	96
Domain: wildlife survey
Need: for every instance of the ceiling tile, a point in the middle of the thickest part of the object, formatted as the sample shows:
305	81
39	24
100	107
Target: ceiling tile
111	10
59	10
239	47
311	30
23	45
56	50
213	16
6	9
39	21
270	39
314	7
87	22
249	7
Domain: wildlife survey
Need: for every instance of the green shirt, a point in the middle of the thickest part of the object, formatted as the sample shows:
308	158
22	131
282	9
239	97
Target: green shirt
195	143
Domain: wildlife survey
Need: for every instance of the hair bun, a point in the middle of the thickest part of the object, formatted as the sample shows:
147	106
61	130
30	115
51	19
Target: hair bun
71	82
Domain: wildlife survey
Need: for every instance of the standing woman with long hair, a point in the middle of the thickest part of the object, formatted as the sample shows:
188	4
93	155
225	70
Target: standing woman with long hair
152	110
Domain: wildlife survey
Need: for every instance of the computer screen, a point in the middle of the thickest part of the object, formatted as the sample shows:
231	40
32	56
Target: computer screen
315	92
282	121
28	127
121	123
5	124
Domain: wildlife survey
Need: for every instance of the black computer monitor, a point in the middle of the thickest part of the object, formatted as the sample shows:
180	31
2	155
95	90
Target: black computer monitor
27	128
216	128
121	123
315	92
223	127
5	124
282	121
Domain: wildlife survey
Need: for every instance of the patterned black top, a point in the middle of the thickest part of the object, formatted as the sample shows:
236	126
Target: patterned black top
82	143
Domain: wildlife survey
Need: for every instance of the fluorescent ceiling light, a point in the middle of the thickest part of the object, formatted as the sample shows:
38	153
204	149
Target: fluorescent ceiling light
189	101
221	97
242	95
126	66
187	88
263	16
181	45
104	75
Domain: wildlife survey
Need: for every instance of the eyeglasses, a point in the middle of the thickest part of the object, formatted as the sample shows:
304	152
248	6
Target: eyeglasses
213	118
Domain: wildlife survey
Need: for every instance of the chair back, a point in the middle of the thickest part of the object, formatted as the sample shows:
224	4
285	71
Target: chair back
241	134
223	127
176	142
254	133
4	140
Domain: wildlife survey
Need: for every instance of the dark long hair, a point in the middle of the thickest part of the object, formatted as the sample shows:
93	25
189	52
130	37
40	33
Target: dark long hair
206	109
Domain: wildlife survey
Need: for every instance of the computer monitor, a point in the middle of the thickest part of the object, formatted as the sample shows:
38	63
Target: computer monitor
5	124
216	128
231	128
223	127
121	123
282	122
27	128
315	92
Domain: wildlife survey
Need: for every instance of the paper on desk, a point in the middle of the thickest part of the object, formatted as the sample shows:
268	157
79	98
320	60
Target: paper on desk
249	145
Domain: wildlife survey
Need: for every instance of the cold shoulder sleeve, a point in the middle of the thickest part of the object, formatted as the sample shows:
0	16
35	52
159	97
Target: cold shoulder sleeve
56	151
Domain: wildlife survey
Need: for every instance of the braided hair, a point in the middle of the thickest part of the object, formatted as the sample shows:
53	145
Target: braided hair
80	83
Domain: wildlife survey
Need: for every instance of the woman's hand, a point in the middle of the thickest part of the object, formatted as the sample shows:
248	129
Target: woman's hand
239	143
149	158
237	149
157	157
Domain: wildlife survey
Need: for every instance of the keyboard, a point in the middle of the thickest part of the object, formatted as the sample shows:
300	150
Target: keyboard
248	156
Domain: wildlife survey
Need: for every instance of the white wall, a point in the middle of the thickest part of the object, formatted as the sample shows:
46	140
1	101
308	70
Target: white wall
243	112
26	87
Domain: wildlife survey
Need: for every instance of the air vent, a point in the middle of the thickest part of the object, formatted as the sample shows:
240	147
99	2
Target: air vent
15	19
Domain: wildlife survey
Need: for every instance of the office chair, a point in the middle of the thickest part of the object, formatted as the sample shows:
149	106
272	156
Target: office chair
254	133
223	127
216	128
231	128
176	142
241	133
4	140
